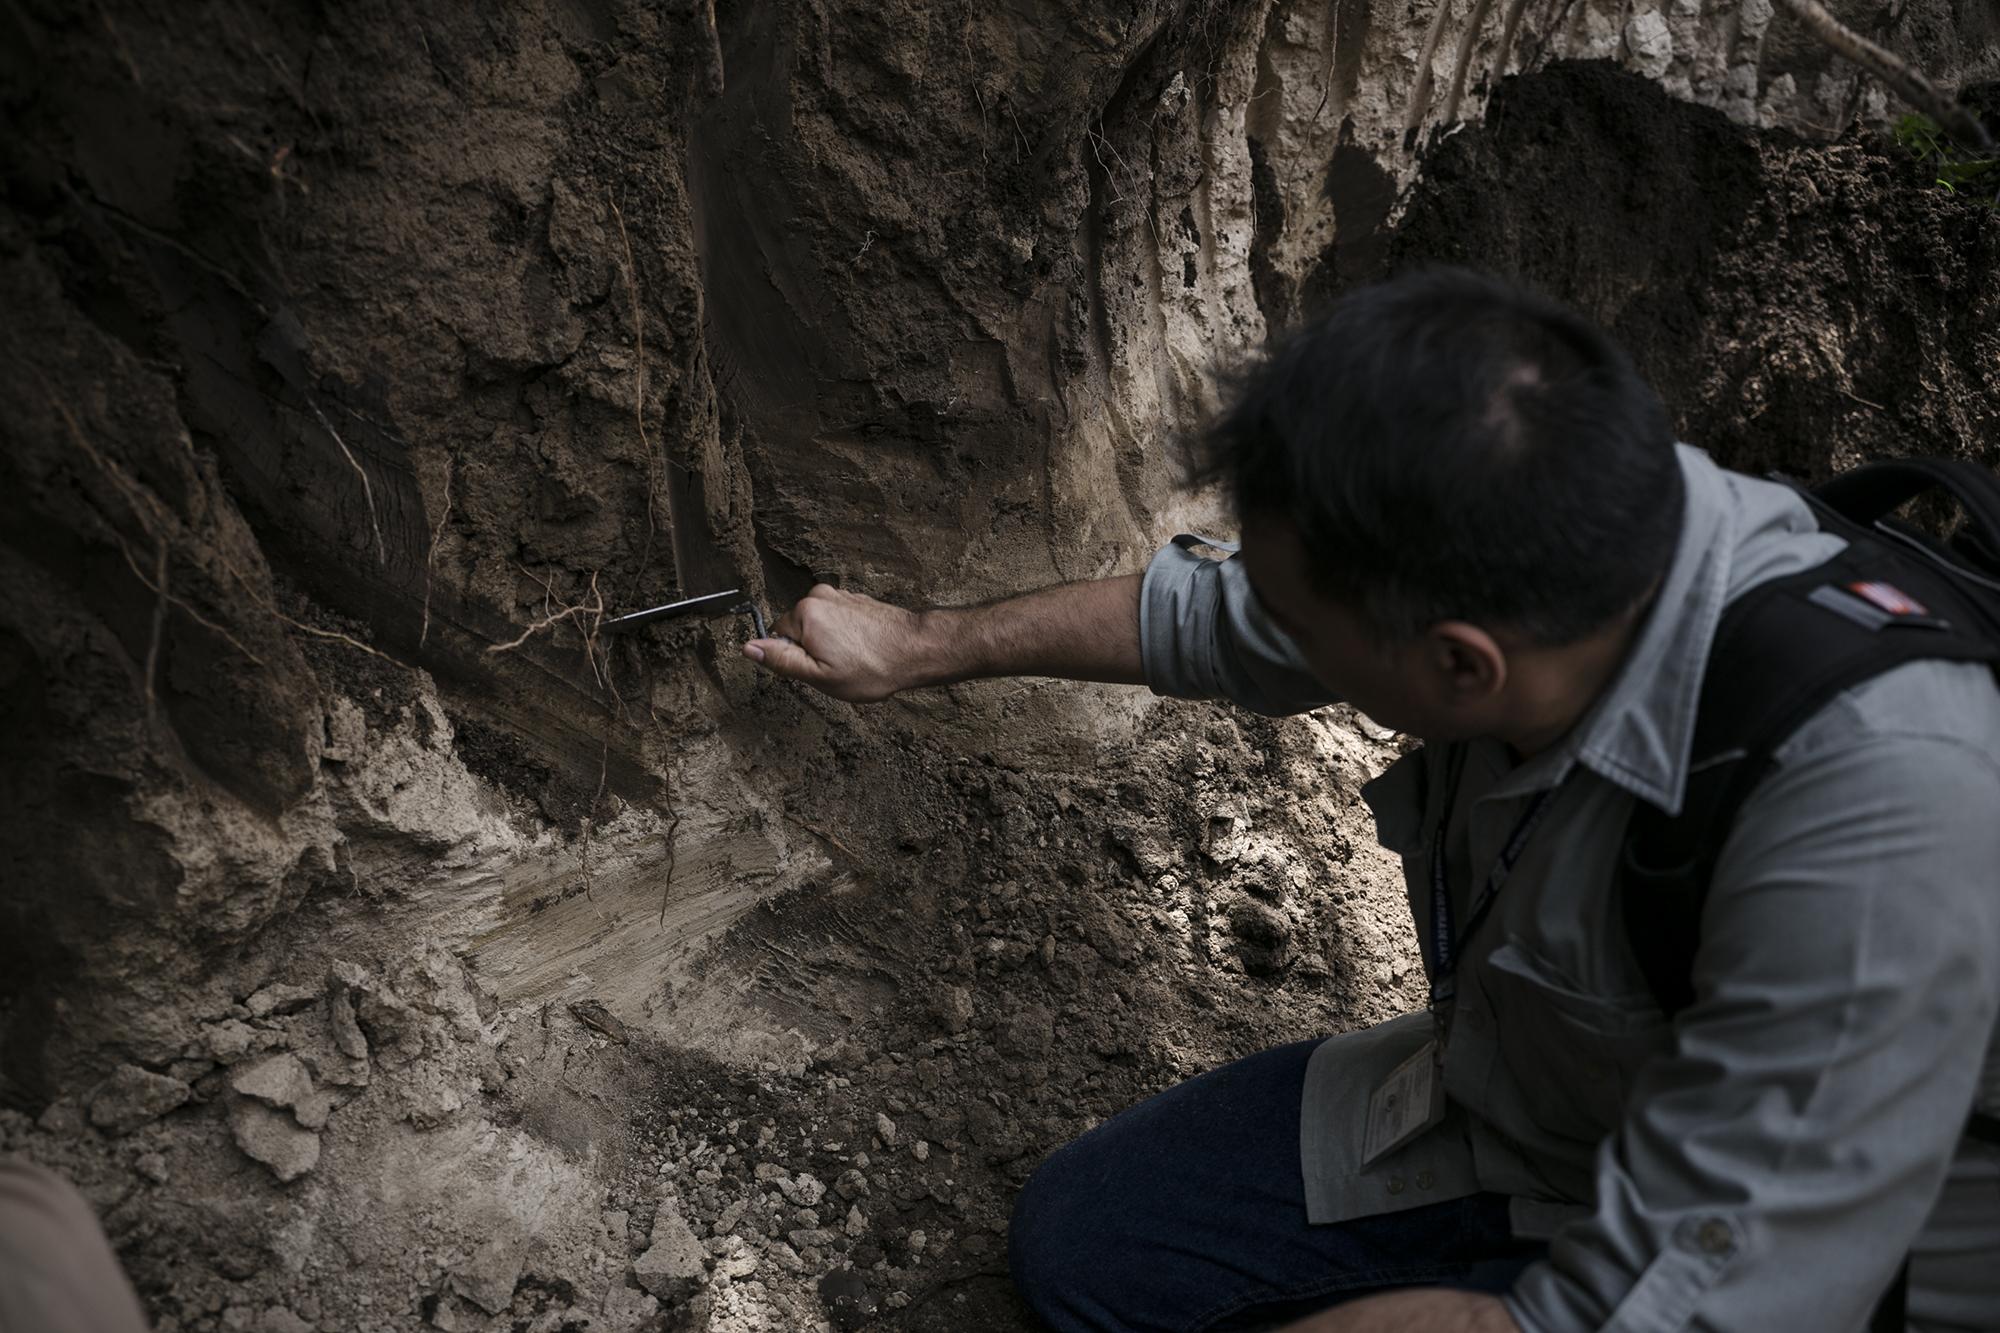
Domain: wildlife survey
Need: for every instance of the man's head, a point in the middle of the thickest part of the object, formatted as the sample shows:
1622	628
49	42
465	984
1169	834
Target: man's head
1452	493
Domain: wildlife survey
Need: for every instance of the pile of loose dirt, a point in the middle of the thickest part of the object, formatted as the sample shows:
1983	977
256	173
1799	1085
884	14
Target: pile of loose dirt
1800	306
1018	950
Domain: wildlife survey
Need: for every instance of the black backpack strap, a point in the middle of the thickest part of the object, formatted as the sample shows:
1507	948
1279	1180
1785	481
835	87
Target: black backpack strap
1783	651
1859	503
1892	1311
1870	493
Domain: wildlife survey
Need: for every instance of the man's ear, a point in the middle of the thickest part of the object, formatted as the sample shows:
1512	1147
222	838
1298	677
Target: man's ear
1468	664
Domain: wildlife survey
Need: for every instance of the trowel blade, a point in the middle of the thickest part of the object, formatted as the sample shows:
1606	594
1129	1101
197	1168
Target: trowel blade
714	603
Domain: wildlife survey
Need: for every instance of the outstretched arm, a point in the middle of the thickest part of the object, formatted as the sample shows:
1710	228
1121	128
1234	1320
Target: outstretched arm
861	650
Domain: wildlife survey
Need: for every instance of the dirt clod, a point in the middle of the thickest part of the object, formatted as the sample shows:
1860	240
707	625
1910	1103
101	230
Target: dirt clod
849	1302
673	1268
488	1278
132	1097
276	1080
273	1137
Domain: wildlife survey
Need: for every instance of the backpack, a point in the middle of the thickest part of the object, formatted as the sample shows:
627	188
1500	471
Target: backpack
1783	651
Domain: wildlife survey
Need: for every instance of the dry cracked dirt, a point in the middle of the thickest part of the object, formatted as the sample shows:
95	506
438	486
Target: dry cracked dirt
383	946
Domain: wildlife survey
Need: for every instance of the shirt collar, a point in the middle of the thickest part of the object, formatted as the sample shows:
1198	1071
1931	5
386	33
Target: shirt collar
1639	734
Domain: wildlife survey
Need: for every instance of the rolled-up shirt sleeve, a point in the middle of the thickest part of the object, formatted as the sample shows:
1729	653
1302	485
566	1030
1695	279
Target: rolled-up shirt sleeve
1774	1170
1203	635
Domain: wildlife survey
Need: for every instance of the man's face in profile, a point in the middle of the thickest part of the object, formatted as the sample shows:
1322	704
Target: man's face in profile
1415	685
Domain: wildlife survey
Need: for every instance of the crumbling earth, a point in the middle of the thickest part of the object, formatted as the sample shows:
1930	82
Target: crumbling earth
372	964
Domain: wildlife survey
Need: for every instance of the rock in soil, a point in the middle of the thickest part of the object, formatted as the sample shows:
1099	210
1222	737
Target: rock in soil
276	1080
849	1303
673	1268
132	1097
273	1138
488	1278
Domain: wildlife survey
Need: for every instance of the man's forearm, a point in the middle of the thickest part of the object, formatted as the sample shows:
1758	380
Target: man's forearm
861	650
1079	631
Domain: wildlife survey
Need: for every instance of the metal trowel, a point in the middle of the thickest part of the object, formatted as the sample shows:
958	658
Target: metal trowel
708	606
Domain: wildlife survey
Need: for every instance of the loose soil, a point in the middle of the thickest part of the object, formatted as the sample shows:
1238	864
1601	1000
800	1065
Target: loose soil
1800	306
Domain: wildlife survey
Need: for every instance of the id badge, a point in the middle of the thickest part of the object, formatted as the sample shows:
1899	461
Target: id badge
1408	1102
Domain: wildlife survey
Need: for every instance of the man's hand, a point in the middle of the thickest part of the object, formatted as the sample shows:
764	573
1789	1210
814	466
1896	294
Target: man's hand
853	647
1418	1310
861	650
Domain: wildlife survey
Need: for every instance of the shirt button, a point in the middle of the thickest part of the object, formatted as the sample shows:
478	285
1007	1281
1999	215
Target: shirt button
1395	1184
1425	1180
1714	1236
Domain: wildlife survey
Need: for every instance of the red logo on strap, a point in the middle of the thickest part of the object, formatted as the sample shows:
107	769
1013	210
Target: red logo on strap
1890	598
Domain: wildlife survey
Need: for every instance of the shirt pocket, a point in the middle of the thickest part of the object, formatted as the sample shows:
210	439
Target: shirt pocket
1573	1057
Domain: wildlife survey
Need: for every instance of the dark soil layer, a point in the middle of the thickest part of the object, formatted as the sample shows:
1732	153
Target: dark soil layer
1799	306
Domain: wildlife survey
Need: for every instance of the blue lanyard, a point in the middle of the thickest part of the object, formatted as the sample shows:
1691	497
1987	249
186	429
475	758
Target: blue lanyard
1445	942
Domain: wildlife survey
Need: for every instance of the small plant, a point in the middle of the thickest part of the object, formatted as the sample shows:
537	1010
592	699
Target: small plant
1956	169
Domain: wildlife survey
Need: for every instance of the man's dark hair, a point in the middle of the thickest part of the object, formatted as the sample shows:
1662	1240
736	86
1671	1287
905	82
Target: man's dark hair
1450	446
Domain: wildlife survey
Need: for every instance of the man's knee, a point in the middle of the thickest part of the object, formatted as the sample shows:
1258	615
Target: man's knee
1033	1244
57	1271
1049	1239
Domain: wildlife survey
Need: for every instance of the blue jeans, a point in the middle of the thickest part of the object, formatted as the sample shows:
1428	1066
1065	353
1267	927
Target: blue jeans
1187	1213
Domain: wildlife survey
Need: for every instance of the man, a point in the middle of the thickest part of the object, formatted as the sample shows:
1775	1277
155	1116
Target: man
57	1271
1464	513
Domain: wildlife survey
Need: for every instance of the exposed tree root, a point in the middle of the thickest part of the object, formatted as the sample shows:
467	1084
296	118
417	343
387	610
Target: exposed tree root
824	836
1510	28
162	525
711	50
1899	75
367	487
575	613
590	815
430	555
654	479
165	527
1420	92
317	632
159	629
1462	61
159	590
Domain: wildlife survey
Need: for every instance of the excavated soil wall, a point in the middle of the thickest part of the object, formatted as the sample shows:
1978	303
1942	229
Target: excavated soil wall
385	946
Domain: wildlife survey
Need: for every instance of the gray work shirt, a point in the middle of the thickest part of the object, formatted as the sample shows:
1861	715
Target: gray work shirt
1766	1159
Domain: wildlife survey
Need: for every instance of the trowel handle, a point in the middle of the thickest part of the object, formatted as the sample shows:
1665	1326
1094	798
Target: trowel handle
763	630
